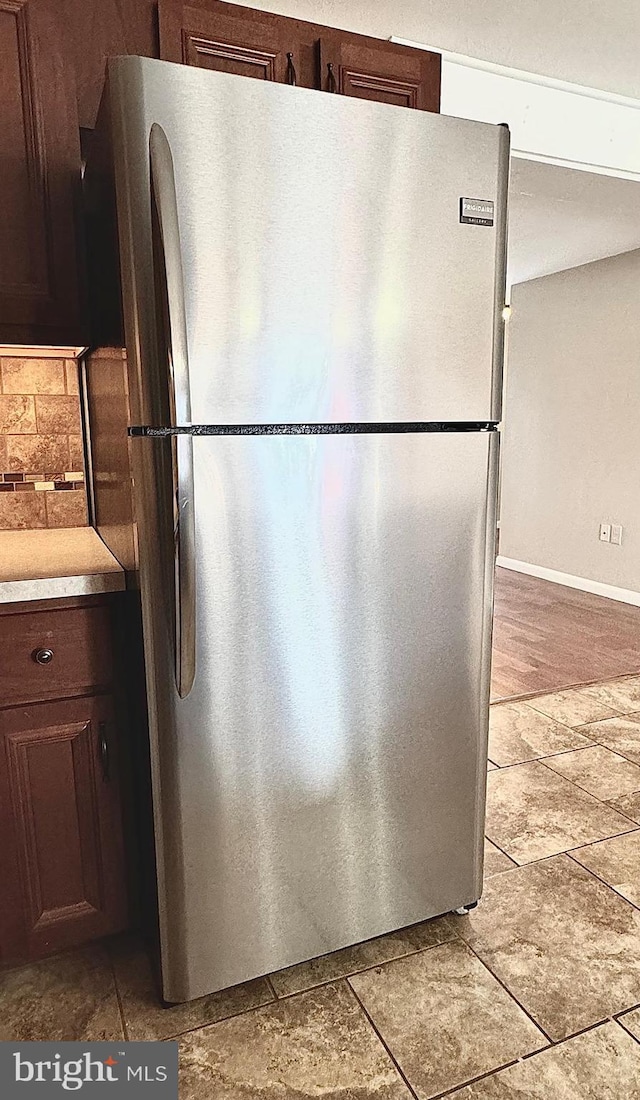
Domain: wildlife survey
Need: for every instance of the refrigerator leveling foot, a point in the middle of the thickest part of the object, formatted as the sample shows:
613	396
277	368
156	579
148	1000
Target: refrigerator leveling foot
462	910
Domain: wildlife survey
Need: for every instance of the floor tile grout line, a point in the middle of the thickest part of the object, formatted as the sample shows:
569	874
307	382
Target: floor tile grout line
499	980
633	820
635	713
601	840
526	696
574	1035
566	752
112	964
575	784
412	1092
502	852
617	752
551	1042
271	987
552	756
614	714
630	1033
375	965
480	1077
618	1020
178	1035
529	703
542	759
564	851
599	877
529	700
586	748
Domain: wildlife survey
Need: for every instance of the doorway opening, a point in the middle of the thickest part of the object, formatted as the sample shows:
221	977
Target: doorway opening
568	571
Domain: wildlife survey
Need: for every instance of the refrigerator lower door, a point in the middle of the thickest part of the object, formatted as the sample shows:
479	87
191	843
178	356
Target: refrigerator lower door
323	781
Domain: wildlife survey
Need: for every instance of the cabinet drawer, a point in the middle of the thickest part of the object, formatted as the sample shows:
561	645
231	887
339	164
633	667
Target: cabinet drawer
54	653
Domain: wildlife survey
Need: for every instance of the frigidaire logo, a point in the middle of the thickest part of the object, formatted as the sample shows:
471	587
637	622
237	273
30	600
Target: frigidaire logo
129	1069
476	211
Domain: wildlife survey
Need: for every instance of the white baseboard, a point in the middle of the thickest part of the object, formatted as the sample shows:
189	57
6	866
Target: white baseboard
598	588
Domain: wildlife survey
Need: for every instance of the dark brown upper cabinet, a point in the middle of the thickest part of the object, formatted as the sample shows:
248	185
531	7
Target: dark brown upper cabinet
39	179
95	30
231	38
386	72
234	39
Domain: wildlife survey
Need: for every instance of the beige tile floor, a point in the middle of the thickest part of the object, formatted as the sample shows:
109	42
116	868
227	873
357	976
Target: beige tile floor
535	994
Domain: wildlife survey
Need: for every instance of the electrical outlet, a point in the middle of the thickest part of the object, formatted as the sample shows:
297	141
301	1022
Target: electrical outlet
616	534
605	532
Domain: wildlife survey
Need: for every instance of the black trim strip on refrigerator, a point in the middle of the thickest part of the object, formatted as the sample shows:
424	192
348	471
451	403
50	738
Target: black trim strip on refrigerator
350	428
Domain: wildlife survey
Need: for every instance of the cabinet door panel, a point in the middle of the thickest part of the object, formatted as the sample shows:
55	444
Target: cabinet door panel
385	72
229	57
39	175
233	39
63	849
232	46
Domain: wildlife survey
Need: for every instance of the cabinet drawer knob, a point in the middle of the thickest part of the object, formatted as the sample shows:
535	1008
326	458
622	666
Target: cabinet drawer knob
43	656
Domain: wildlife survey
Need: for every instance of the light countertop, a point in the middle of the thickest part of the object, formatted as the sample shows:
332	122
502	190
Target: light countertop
48	564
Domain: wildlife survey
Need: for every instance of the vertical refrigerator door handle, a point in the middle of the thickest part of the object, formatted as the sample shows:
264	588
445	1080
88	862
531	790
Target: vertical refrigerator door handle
164	194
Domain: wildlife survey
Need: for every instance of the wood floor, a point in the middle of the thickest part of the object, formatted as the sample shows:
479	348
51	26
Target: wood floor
547	636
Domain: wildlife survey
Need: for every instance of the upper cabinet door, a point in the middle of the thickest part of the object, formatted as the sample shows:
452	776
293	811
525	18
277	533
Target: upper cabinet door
386	72
216	35
39	179
234	39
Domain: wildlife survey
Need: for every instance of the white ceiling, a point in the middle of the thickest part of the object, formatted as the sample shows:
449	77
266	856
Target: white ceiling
560	218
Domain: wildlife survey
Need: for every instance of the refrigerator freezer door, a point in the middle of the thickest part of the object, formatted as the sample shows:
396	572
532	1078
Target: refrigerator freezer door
328	274
323	782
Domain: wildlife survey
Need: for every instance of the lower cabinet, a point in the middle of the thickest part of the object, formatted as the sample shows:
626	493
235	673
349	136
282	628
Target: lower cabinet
62	864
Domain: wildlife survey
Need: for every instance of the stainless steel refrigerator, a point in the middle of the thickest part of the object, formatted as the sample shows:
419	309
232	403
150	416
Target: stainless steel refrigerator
313	290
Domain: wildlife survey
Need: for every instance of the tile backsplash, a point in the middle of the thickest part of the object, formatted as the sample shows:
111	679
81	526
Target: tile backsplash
42	480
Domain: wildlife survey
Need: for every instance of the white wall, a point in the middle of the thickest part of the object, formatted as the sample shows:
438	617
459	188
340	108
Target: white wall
583	41
571	445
